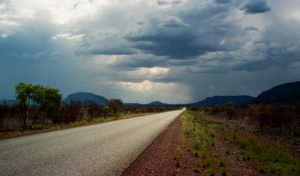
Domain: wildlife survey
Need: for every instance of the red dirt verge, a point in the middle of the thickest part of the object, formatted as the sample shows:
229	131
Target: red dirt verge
158	158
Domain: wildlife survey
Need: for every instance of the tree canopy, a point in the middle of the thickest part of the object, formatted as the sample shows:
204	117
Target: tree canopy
46	98
114	104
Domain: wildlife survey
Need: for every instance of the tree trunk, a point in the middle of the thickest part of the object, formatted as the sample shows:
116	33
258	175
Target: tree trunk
36	116
25	117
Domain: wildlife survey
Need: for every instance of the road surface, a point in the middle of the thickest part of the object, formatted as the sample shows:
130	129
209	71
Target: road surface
102	149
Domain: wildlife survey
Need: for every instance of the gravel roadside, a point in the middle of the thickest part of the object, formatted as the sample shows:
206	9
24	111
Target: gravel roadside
158	158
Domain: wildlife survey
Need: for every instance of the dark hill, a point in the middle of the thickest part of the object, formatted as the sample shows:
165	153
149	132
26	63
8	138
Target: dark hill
156	103
287	93
85	98
219	100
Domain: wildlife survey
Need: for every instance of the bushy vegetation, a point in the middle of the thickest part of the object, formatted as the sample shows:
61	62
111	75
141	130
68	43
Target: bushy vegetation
275	119
218	140
268	158
40	106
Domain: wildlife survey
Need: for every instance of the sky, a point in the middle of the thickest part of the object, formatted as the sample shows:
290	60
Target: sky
174	51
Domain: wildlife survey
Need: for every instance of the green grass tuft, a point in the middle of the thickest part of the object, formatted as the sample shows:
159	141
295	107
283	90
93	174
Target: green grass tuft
223	171
227	152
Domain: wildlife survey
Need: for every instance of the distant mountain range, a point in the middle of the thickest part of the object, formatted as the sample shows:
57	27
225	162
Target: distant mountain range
156	103
219	100
284	93
85	98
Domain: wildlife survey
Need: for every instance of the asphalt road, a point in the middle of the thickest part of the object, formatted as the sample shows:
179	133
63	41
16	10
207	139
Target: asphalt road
103	149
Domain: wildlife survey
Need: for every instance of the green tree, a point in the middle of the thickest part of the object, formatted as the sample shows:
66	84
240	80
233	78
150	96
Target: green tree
106	111
24	93
114	104
52	101
45	98
38	96
48	100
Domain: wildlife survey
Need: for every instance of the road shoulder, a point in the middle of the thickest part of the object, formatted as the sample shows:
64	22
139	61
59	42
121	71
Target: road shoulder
158	158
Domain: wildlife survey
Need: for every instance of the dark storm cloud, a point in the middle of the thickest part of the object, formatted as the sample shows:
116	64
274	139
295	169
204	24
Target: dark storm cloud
193	33
209	31
105	50
140	23
28	41
253	66
278	47
256	6
137	61
178	46
222	1
251	28
176	1
103	45
162	2
278	58
112	51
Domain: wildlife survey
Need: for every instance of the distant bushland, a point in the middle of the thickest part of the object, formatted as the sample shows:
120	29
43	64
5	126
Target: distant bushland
282	119
37	107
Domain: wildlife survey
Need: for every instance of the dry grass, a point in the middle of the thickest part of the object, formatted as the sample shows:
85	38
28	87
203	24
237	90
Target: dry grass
233	147
203	136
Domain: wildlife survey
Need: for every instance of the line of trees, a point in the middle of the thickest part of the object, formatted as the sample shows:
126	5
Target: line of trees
38	106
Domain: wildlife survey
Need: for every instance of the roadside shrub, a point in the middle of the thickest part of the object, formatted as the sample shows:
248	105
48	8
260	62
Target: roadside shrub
150	109
106	111
9	112
215	110
278	119
71	113
95	110
117	114
115	105
4	111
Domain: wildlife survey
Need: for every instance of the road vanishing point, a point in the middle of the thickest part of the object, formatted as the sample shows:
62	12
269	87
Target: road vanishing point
104	149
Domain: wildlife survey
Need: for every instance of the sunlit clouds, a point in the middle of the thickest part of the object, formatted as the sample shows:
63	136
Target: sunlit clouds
143	86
